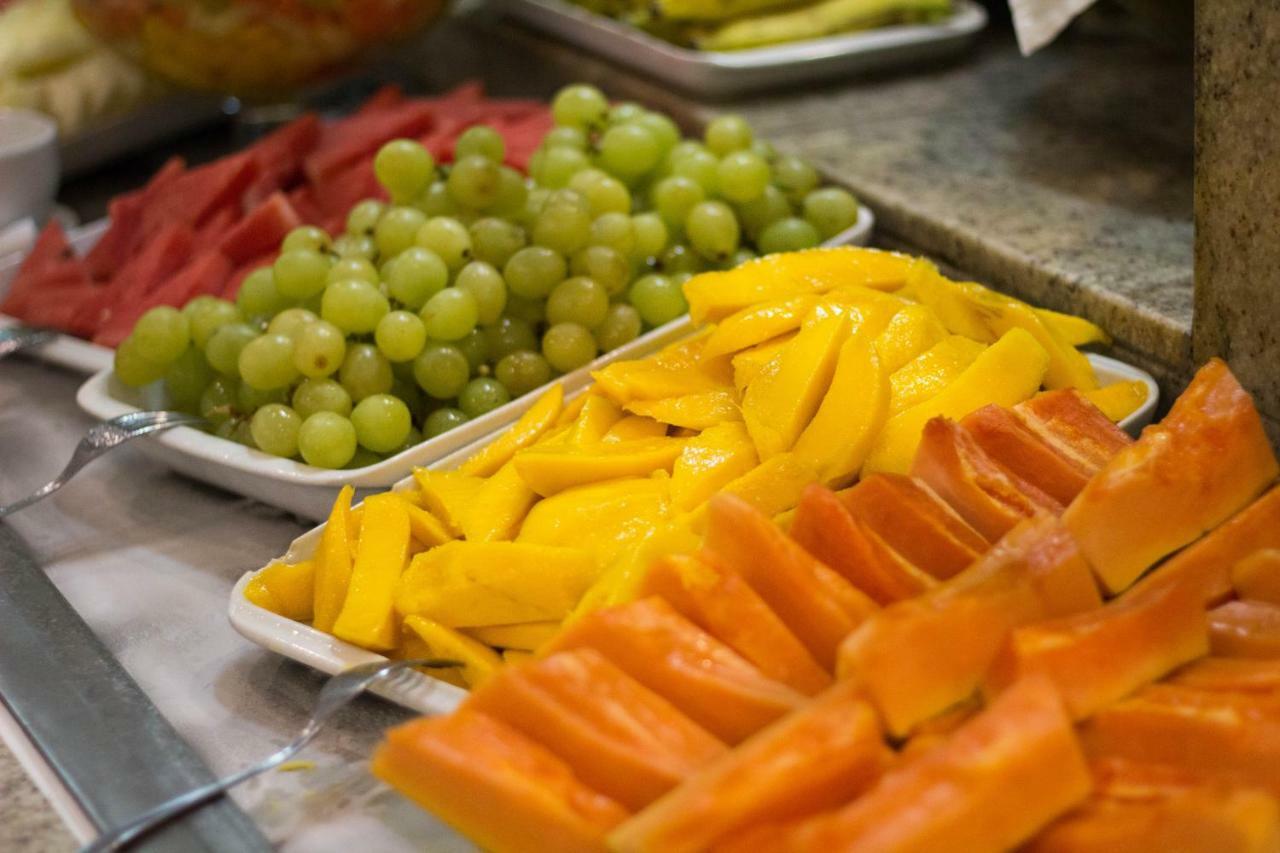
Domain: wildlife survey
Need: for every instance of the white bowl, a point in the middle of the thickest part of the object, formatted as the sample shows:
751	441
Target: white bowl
28	165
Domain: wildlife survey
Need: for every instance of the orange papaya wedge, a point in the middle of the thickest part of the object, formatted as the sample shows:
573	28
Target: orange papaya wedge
1011	443
1245	629
1231	675
1074	426
1257	576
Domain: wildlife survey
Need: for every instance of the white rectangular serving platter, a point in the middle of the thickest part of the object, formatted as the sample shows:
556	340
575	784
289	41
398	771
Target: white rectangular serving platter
725	74
427	695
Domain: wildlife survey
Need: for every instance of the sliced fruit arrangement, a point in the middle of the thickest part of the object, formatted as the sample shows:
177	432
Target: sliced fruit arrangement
795	384
1036	697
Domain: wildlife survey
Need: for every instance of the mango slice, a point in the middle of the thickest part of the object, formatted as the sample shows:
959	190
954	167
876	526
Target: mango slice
1072	330
775	485
931	371
537	420
1009	371
467	584
333	563
912	331
748	363
569	411
1119	399
620	582
648	379
598	414
549	470
851	415
634	428
525	637
692	411
426	529
448	495
758	323
499	507
368	618
602	519
478	661
709	461
287	589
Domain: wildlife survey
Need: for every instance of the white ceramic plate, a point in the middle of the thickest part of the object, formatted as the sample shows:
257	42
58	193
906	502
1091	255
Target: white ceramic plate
729	73
427	695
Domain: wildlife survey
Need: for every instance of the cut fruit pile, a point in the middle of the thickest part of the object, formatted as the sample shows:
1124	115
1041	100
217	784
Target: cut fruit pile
1056	692
815	372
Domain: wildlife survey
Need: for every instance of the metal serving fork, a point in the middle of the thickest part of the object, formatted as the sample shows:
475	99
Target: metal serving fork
337	692
16	338
101	438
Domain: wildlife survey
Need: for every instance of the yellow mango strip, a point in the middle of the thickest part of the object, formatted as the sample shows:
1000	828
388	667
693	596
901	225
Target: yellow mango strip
526	636
635	427
549	470
931	371
1008	372
424	527
287	589
869	317
716	457
911	331
782	400
758	323
555	436
478	660
624	381
748	363
621	580
511	657
499	507
854	410
367	618
468	584
692	411
412	647
712	296
447	495
689	353
597	415
333	562
603	519
1119	399
1072	330
524	432
571	410
775	485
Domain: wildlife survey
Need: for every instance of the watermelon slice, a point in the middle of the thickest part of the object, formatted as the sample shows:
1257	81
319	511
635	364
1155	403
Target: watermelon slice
336	195
125	234
206	274
359	136
217	226
281	152
386	97
162	256
260	231
237	277
51	250
193	197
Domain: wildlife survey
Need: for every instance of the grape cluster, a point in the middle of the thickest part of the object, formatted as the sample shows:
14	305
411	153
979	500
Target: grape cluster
477	284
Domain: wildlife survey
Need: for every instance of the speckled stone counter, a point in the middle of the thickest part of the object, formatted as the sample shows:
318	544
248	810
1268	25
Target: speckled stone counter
27	822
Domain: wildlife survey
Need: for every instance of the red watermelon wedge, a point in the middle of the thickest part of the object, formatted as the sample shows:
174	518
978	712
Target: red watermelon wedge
260	231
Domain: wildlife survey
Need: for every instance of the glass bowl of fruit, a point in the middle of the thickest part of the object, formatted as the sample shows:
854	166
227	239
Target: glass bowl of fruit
250	47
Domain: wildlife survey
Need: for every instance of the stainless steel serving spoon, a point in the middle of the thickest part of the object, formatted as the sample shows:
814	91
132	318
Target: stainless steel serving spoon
17	338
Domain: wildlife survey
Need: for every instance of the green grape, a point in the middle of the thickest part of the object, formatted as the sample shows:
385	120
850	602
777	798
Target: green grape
495	240
357	268
207	318
658	299
318	349
348	246
300	273
830	210
626	111
397	230
700	166
161	335
482	395
436	201
712	229
604	193
580	106
651	235
474	181
680	259
765	150
450	314
794	177
442	420
198	304
250	399
522	371
382	422
365	371
770	206
480	140
512	193
682	149
353	306
563	224
327	440
604	264
485	284
400	335
621	326
448	238
740	257
662	128
680	277
415	275
362	459
321	395
726	134
578	300
218	402
306	237
508	335
674	197
413	439
223	350
557	166
291	321
475	347
363	218
275	430
742	176
186	378
788	235
266	362
614	230
571	137
235	429
533	204
404	167
441	370
532	311
629	151
568	346
533	271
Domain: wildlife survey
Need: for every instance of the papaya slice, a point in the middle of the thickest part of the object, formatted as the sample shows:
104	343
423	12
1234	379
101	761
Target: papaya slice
987	495
720	602
1232	675
1078	429
812	760
997	781
913	521
1008	441
1102	655
1258	576
1186	475
467	767
1245	629
616	735
671	656
825	528
819	606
